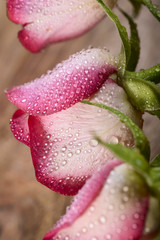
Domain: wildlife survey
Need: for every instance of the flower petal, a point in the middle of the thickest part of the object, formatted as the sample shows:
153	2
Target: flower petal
106	209
52	21
63	148
19	127
70	82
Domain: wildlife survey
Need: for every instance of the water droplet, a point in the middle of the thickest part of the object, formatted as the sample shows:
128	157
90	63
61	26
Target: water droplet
134	226
66	238
112	191
93	143
64	149
78	151
55	154
102	219
91	225
125	199
125	189
84	229
136	216
110	207
78	234
114	139
48	136
64	163
70	154
108	237
91	209
122	217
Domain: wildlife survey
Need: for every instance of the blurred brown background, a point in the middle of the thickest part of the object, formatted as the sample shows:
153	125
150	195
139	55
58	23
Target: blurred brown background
27	208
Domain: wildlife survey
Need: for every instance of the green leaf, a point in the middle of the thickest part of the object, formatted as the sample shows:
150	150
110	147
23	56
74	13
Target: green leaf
128	155
136	160
157	113
144	95
151	74
137	6
121	29
156	161
134	42
121	65
141	142
152	8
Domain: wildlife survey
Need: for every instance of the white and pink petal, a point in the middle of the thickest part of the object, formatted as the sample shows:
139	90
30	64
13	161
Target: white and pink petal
50	21
19	127
70	82
112	205
63	147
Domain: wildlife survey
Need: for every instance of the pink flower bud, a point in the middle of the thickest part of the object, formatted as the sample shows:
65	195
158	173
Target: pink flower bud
60	129
51	21
112	205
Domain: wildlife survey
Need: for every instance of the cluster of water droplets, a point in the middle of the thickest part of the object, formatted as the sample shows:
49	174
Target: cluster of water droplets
71	81
63	145
44	20
19	127
50	8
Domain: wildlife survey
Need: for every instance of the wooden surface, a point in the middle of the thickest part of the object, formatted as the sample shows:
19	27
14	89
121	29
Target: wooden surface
27	208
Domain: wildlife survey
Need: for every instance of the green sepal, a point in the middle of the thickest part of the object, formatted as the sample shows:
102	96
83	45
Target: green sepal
128	155
144	95
156	190
122	32
152	218
134	42
156	161
155	169
156	112
155	174
141	142
151	74
152	8
136	6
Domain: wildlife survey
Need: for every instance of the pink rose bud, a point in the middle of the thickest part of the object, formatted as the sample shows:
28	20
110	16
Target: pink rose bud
112	205
51	21
60	129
